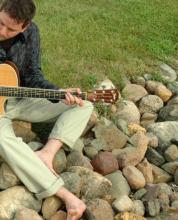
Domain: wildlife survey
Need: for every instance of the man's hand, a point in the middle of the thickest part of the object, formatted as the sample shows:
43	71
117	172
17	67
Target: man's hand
71	99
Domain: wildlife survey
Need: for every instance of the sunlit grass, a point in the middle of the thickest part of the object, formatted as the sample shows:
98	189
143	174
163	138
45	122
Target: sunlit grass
85	41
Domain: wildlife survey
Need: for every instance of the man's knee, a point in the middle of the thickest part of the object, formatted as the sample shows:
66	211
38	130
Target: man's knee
88	106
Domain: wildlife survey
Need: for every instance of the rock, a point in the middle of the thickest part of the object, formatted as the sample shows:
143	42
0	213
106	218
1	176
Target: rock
165	131
160	176
152	192
168	73
134	128
134	177
174	195
134	92
151	86
27	214
147	171
170	167
72	182
138	207
150	103
23	129
165	216
111	135
123	204
154	157
90	152
105	163
139	193
171	153
140	141
34	145
152	207
148	118
120	185
60	215
129	156
139	80
122	125
98	209
170	112
76	158
173	86
128	216
97	144
133	155
60	161
94	185
7	177
176	177
157	191
109	198
164	93
128	111
164	202
174	205
50	206
16	198
152	140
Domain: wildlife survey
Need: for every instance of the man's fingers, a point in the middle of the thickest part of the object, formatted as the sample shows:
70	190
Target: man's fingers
71	100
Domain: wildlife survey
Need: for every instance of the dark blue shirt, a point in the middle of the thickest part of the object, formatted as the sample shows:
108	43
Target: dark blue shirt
24	52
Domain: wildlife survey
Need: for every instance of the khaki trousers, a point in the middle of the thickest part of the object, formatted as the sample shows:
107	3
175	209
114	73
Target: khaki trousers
70	122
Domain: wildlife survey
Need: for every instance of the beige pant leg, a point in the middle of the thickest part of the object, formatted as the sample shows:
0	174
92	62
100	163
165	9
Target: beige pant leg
70	121
28	167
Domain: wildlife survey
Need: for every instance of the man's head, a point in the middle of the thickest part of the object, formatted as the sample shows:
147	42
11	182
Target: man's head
15	15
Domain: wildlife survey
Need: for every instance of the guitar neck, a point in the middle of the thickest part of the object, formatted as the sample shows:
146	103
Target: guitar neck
23	92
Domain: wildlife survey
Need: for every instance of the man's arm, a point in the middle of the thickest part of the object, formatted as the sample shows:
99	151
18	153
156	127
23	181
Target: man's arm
34	77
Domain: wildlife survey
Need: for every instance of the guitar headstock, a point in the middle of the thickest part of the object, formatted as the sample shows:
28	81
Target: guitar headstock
103	95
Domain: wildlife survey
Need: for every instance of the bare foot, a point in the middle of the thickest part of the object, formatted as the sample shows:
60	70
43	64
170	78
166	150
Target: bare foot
75	207
47	153
47	158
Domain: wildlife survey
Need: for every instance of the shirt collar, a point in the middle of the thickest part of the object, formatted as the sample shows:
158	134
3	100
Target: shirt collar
23	35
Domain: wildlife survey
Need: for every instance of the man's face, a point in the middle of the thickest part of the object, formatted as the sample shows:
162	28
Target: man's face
9	27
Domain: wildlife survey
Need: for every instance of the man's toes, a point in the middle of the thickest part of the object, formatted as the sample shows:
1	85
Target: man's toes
74	214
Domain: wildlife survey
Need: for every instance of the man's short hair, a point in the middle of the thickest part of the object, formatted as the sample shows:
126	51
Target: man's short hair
20	10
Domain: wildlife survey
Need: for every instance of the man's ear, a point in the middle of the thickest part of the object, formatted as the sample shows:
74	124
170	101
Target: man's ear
25	27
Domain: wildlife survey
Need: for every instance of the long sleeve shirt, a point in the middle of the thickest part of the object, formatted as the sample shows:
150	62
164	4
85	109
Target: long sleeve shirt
24	51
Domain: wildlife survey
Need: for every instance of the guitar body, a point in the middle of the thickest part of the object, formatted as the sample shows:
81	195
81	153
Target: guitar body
8	77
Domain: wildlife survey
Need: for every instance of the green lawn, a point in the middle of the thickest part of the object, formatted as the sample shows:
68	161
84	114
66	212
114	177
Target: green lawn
85	41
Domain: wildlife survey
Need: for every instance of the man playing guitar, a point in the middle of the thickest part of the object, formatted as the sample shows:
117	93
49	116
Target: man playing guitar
19	43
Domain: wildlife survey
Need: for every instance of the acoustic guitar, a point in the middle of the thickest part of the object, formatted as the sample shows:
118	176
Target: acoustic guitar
9	87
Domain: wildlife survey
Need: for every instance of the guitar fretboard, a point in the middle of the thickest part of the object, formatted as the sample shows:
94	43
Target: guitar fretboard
22	92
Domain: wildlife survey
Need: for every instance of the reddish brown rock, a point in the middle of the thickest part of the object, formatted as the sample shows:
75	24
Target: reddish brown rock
105	163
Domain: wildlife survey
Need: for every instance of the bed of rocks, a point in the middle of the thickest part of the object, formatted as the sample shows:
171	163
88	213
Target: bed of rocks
124	167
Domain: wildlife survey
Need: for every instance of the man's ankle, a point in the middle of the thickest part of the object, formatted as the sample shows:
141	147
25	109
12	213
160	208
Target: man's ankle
52	146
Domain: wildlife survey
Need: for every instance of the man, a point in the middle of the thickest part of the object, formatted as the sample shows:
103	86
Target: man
19	43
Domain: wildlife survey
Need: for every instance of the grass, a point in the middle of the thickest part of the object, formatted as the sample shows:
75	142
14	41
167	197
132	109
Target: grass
85	41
